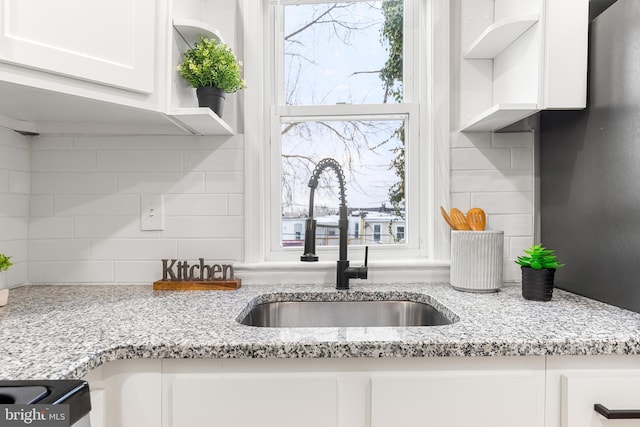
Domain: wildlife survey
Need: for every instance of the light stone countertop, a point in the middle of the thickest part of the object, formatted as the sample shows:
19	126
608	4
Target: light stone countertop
60	332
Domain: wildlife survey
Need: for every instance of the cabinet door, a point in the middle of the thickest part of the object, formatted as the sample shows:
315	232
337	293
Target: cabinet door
614	390
239	400
455	399
109	42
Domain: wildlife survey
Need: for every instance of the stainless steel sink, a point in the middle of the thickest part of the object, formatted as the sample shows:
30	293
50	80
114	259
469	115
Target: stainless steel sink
300	314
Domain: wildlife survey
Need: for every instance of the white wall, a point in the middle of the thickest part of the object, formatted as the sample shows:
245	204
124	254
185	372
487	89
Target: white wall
14	202
496	173
85	202
85	205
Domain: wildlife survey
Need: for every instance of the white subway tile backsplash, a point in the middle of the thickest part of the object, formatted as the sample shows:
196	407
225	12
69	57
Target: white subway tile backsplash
514	139
211	249
13	228
71	272
59	250
51	228
461	201
63	161
209	143
511	271
133	249
101	205
51	143
236	204
116	142
512	225
139	160
15	205
85	200
522	158
17	274
137	271
4	181
219	160
517	245
195	205
20	183
483	158
470	140
17	250
504	202
491	180
14	158
204	227
41	206
161	182
14	202
73	183
109	227
225	182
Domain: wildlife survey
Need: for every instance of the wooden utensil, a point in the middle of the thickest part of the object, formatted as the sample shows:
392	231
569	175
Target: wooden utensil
459	220
445	215
477	219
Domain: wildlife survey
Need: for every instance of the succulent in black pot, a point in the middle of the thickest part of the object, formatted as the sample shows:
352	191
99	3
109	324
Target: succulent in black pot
538	267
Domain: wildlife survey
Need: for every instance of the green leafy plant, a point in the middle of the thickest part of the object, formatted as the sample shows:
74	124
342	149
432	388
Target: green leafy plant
5	262
538	257
210	63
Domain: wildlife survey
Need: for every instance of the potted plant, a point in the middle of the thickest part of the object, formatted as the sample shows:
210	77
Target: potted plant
538	267
211	68
5	263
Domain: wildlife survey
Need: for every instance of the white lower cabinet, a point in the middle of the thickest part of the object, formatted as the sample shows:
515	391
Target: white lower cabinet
615	391
440	392
536	391
576	384
126	393
459	399
248	400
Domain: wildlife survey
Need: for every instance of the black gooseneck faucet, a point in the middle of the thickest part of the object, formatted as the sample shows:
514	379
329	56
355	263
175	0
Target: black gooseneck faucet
344	272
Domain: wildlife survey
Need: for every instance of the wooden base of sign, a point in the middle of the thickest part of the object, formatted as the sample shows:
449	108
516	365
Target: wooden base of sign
212	285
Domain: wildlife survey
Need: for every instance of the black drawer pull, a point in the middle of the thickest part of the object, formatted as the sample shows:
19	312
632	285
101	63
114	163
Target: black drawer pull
616	414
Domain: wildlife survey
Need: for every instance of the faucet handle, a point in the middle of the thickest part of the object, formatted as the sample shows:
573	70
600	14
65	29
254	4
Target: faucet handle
362	272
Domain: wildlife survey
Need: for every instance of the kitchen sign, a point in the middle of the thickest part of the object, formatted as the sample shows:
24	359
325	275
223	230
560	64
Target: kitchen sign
180	275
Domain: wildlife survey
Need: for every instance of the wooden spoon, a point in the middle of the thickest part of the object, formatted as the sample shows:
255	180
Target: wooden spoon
477	219
445	215
459	219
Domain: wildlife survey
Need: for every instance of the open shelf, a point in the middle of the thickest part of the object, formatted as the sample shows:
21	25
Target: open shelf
202	121
191	30
498	117
498	36
199	121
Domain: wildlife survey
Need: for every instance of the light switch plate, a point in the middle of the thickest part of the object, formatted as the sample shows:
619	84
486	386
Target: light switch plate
152	212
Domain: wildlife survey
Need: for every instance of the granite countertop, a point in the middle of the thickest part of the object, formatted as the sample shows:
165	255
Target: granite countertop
65	331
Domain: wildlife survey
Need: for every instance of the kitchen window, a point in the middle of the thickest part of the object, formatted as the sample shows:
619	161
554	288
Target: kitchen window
326	98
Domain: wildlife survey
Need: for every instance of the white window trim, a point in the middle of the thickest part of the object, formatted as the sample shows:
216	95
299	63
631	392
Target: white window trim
430	261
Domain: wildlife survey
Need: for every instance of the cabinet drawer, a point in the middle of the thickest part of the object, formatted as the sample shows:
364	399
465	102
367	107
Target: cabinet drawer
615	391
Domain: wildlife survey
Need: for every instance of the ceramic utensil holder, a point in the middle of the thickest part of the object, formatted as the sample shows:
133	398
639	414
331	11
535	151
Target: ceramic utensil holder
476	260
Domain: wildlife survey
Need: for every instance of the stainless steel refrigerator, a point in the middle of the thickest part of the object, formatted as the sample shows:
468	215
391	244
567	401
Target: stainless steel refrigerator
590	169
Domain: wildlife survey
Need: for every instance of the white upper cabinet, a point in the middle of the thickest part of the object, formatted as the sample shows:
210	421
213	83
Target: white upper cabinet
518	57
107	42
106	67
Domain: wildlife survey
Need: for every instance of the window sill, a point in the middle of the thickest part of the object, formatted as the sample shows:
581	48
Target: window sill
409	271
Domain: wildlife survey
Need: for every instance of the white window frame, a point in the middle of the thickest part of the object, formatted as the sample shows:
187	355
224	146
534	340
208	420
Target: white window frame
428	117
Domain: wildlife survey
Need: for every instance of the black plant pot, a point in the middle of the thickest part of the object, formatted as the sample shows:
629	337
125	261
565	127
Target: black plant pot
211	97
537	285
